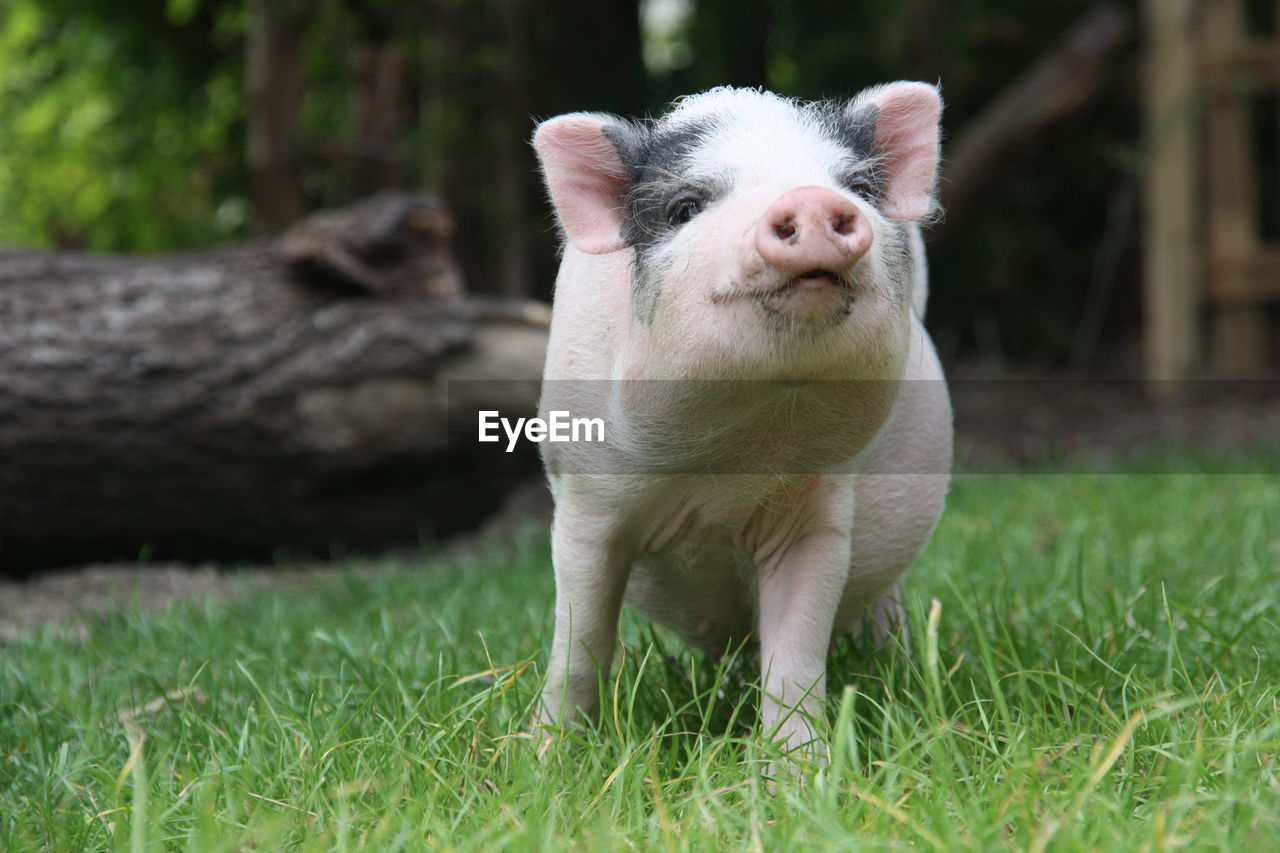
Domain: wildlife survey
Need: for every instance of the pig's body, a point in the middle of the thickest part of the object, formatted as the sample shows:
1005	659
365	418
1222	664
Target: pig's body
697	539
785	507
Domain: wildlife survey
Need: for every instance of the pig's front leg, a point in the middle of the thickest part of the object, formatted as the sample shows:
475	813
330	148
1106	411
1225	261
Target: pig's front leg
800	593
591	576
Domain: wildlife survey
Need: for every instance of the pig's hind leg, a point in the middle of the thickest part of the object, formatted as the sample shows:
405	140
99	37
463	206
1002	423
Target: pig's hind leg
884	622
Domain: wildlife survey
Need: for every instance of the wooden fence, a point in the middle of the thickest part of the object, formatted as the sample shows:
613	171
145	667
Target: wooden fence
1211	265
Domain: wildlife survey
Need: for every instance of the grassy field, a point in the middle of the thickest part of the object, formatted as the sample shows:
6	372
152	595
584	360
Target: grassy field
1101	672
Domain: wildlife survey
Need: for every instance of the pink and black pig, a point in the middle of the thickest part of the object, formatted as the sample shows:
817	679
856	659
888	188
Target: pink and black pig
741	301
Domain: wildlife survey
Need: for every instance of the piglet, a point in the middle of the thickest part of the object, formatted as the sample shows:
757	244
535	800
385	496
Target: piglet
740	297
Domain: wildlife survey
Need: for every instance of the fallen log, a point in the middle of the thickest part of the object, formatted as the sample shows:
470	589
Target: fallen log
280	397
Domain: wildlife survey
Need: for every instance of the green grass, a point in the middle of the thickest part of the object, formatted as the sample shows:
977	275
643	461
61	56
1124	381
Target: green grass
1102	673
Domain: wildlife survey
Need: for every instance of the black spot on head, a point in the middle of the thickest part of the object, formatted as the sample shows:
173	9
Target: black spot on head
855	132
660	195
628	138
656	158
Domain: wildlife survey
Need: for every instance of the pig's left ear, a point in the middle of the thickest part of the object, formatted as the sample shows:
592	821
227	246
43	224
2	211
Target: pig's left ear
906	141
586	177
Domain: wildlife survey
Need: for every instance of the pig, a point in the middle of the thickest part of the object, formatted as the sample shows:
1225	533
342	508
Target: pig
743	236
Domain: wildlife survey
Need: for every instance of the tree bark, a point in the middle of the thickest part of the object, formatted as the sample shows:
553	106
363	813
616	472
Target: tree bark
274	75
285	396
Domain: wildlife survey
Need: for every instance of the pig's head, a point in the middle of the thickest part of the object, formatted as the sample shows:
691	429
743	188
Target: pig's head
769	237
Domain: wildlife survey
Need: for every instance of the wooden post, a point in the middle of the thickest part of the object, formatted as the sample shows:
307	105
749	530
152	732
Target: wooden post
1172	270
1239	324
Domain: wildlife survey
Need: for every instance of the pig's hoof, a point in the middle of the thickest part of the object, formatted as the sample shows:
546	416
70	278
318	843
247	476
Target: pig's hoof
803	751
548	737
792	770
545	740
548	729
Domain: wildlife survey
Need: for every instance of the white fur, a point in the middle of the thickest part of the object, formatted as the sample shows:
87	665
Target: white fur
840	484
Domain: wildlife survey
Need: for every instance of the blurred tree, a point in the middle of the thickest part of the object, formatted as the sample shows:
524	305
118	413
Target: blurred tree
496	67
274	79
148	125
731	41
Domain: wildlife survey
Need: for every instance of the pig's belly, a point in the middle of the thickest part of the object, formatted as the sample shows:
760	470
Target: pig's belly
702	588
703	585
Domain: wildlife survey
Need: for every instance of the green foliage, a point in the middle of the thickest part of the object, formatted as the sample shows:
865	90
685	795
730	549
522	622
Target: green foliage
1098	675
117	135
181	12
124	129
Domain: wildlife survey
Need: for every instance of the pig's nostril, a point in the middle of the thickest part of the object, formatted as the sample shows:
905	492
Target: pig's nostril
785	230
843	225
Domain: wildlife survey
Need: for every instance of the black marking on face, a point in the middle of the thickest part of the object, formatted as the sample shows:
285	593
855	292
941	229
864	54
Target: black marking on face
660	197
855	132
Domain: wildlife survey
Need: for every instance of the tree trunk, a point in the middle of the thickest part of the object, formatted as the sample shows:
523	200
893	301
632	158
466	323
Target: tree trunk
274	79
285	396
381	106
484	115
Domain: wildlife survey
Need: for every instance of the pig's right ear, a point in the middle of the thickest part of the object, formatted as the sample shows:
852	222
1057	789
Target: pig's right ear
586	178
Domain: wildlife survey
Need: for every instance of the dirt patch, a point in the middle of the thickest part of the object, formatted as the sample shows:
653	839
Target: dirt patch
65	597
1014	421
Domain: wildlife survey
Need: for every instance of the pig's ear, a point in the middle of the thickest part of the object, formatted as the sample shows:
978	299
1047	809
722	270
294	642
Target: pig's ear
906	141
585	177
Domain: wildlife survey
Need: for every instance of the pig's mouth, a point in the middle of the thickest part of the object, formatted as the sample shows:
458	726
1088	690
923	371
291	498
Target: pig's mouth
813	278
816	293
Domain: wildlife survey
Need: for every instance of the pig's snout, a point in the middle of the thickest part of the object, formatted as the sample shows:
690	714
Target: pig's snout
812	230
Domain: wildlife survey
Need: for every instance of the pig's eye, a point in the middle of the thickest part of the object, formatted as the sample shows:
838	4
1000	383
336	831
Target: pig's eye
683	208
859	184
